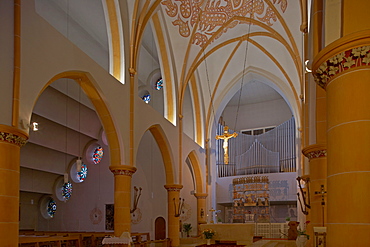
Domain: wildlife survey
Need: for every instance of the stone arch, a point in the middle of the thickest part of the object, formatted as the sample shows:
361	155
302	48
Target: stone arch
164	146
88	85
197	171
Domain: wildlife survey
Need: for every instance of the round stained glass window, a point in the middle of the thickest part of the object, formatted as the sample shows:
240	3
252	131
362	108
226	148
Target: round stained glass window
98	155
52	208
67	191
83	173
159	84
146	98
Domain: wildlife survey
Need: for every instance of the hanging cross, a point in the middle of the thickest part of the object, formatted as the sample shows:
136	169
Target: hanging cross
226	136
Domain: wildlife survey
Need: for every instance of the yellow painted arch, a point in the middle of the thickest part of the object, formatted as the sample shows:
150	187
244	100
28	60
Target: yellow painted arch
197	172
165	150
87	83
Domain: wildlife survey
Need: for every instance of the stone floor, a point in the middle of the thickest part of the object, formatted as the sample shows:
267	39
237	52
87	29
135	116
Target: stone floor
192	242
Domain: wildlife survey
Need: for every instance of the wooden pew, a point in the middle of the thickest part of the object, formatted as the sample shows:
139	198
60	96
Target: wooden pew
49	241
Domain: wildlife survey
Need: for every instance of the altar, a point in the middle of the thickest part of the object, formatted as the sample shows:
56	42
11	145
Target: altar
242	233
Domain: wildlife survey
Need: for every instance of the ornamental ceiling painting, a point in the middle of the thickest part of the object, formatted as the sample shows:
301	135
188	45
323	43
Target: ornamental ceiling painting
220	42
216	13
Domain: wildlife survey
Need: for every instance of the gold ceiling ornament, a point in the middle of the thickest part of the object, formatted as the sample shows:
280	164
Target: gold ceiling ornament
215	14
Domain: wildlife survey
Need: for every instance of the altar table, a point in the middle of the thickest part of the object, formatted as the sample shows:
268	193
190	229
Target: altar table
242	233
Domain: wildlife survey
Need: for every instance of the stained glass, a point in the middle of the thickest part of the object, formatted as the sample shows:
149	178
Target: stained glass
52	208
159	84
83	173
98	155
67	190
146	98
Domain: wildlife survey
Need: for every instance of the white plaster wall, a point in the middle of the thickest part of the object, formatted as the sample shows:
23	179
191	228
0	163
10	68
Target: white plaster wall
150	176
188	120
265	114
73	215
190	208
6	60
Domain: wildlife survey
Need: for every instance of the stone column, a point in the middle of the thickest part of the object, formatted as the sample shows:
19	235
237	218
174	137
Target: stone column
343	69
201	208
122	198
173	192
11	141
318	172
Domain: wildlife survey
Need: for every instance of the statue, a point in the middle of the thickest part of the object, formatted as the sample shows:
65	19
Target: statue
226	136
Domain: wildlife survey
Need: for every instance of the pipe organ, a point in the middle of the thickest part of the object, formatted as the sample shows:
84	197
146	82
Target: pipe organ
270	152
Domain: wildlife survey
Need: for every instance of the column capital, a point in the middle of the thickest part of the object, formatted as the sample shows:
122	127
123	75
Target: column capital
315	151
173	187
13	135
201	195
122	170
132	72
348	53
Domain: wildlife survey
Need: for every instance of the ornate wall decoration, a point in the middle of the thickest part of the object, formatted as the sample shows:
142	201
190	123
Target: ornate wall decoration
12	138
123	172
356	57
316	154
215	14
96	216
136	216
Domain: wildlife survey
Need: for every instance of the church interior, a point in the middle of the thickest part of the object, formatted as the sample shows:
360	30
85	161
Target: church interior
184	123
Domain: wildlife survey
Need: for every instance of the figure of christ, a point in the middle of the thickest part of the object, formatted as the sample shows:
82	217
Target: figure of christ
226	136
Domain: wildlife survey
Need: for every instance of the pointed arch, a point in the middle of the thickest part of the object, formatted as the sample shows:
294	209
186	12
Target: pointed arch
165	149
197	171
88	85
113	20
198	113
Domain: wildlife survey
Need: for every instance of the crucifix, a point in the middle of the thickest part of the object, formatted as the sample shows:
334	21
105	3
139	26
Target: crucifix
226	136
212	215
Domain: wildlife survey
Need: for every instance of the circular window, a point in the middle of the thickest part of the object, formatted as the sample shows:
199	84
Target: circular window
146	98
159	84
98	155
78	176
52	208
94	153
67	191
48	207
83	173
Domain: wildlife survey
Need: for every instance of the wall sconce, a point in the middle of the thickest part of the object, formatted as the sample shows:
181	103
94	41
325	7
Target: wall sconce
305	198
137	195
306	66
178	210
34	126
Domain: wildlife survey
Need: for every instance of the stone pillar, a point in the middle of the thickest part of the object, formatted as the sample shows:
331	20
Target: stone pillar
318	172
173	192
122	198
11	141
343	69
201	208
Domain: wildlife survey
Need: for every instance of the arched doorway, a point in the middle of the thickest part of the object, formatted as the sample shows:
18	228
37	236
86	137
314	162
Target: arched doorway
160	228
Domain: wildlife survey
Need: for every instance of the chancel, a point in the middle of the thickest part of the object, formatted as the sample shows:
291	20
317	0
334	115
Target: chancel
153	114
